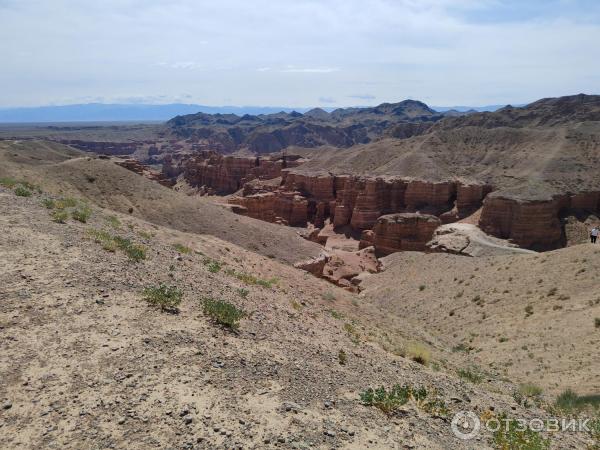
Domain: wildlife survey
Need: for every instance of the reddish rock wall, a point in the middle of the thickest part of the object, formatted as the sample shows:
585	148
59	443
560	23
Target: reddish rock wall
403	231
224	174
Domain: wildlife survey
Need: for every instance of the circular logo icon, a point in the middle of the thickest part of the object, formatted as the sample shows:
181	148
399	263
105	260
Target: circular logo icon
465	425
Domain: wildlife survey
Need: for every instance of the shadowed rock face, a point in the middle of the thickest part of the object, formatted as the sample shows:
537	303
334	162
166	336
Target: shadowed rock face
401	232
224	174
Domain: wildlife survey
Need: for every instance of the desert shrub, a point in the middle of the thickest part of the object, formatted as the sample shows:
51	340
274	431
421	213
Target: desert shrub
113	221
528	310
569	401
512	436
352	333
59	216
597	322
297	306
530	390
342	357
164	296
386	401
461	348
145	235
66	202
111	243
328	296
251	279
48	203
223	313
422	287
471	375
335	314
8	182
212	265
243	292
419	353
82	213
22	191
182	248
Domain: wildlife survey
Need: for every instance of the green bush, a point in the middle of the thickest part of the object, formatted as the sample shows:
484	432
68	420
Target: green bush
182	248
386	401
470	375
59	216
569	401
111	243
223	313
212	265
81	213
8	182
512	436
48	203
168	298
66	202
22	191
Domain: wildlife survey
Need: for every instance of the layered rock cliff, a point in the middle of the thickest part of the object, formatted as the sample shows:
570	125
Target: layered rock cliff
221	174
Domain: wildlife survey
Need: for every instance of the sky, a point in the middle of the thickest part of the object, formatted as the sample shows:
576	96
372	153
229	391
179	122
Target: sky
297	53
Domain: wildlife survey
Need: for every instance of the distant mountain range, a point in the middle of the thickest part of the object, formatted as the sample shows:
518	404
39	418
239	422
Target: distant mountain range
100	112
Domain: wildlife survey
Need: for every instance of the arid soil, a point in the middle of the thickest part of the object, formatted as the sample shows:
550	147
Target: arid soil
529	316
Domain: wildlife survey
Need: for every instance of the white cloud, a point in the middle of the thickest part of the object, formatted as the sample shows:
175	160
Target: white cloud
240	51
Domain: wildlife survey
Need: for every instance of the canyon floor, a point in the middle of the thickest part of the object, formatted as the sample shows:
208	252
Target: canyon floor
85	362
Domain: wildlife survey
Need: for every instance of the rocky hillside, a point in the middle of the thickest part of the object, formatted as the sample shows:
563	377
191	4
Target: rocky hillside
122	332
274	132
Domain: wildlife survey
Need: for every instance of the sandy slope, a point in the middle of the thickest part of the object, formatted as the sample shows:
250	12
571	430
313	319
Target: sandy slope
60	169
480	304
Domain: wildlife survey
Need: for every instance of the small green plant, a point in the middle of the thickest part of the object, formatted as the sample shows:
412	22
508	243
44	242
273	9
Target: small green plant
22	191
66	202
182	249
48	203
512	436
82	213
111	243
145	235
223	313
243	292
342	357
166	297
352	333
59	216
471	375
386	401
8	182
212	265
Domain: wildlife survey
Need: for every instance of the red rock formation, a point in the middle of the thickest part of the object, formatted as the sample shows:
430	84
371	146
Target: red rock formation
532	224
402	231
224	174
288	208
